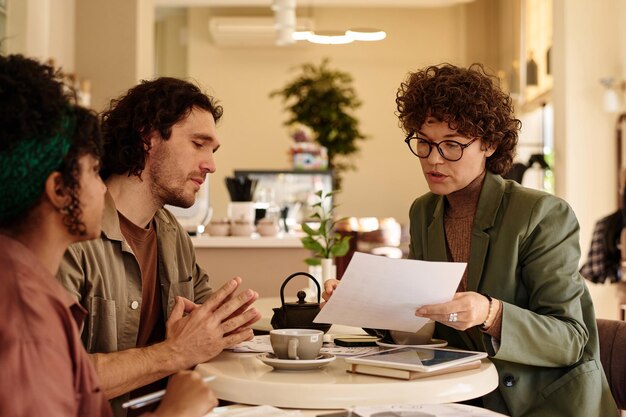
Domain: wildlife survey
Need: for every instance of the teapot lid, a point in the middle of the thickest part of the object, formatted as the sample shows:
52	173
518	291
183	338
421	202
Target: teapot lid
301	303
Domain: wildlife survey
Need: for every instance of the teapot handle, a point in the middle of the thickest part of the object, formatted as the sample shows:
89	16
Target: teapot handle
282	287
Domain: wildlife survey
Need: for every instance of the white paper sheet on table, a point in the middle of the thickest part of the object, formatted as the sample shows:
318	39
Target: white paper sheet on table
258	411
434	410
383	293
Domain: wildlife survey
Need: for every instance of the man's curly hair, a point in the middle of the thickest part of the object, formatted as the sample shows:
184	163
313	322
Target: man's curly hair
469	100
35	106
151	106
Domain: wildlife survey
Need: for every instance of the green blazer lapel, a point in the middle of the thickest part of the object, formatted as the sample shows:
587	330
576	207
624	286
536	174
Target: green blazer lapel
436	248
488	204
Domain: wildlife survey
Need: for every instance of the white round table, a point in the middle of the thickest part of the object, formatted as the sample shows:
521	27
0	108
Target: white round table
242	378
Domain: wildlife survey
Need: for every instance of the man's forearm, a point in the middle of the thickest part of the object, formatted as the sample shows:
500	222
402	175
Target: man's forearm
124	371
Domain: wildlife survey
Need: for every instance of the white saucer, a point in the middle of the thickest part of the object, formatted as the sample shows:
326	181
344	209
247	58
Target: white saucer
433	343
295	365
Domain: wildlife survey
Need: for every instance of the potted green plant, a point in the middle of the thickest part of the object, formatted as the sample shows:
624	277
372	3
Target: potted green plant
324	99
322	240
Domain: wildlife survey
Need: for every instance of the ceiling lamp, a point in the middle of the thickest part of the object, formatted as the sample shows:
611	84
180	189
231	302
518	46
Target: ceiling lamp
368	35
329	37
285	24
301	35
334	37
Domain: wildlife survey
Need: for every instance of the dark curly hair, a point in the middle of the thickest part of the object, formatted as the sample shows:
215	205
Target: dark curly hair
151	106
87	140
470	100
34	105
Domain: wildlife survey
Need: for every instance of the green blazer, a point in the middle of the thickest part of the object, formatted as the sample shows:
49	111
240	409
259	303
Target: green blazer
524	251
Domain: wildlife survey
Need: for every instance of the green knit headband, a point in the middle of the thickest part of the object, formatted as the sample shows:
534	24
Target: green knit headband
25	168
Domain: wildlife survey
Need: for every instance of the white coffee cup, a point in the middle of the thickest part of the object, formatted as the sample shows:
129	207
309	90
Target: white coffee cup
296	344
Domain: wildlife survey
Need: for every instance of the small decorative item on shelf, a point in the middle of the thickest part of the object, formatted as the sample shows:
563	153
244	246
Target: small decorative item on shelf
305	153
218	227
322	239
268	227
241	228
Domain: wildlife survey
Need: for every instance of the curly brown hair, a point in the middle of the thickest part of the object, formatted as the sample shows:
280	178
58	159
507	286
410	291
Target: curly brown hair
151	106
469	100
86	141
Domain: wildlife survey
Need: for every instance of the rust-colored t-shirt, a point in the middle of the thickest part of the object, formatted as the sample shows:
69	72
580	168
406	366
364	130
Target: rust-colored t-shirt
143	243
45	370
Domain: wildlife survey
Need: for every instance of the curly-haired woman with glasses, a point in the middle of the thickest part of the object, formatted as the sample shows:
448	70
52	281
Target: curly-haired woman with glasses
521	298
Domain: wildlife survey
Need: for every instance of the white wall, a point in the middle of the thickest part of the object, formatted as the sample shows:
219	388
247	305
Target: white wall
114	45
589	44
42	29
584	135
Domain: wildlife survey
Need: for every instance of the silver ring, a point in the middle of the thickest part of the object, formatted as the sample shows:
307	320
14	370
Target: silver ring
452	317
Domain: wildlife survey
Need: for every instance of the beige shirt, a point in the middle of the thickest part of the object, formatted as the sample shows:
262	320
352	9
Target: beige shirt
103	275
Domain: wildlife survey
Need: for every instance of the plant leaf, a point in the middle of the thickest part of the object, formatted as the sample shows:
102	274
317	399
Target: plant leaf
313	245
313	261
309	230
341	247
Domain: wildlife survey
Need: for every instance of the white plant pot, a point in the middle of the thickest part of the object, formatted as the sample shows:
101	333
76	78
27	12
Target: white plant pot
329	269
311	290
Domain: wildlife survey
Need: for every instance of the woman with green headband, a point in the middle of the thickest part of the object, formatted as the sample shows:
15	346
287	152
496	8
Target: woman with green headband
51	196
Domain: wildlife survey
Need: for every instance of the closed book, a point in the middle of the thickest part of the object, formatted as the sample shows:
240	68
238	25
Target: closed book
405	374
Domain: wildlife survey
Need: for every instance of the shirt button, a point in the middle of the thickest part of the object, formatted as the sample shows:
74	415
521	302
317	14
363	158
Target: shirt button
509	380
134	305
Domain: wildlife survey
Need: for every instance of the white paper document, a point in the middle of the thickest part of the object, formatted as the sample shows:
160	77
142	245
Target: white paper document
430	410
258	411
383	293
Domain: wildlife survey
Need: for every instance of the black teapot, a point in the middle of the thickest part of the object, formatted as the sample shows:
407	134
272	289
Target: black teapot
298	315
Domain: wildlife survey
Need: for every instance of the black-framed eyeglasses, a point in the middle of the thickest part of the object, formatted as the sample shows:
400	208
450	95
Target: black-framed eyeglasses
450	150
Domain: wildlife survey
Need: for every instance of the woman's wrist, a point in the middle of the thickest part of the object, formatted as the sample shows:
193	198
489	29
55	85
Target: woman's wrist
493	303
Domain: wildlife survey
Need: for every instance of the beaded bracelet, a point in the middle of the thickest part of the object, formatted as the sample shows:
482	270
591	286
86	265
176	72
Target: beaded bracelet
489	312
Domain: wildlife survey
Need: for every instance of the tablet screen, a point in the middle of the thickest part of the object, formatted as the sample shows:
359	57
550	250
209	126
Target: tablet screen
417	359
417	356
